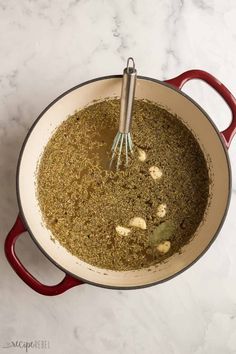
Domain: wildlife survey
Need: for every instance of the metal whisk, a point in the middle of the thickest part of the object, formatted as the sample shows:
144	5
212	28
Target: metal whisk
123	140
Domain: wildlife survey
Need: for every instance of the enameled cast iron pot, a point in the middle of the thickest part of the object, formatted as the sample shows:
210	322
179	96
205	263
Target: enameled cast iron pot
213	143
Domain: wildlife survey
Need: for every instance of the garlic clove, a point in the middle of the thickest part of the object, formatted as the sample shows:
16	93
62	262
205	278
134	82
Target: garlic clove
142	156
122	231
155	172
164	247
138	222
161	210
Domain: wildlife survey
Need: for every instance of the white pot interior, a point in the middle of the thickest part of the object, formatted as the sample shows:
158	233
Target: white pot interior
190	114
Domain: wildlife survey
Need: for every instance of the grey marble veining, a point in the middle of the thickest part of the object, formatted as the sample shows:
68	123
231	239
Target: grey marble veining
47	47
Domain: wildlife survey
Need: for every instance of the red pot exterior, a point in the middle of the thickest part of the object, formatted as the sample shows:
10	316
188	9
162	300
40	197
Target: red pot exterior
180	80
19	228
66	283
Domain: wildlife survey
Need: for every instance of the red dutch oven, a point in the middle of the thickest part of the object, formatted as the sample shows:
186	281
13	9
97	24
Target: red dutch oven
213	144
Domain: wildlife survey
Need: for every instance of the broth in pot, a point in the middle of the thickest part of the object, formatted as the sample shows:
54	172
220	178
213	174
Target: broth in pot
127	219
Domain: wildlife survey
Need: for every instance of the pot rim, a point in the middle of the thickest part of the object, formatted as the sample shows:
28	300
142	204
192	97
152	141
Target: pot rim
24	219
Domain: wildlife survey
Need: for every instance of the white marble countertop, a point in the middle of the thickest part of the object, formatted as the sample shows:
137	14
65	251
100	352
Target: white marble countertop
46	47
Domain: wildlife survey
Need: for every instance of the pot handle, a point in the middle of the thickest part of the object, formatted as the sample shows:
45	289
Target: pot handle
50	290
180	80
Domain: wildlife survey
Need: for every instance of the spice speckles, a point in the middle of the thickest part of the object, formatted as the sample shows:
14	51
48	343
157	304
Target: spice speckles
132	218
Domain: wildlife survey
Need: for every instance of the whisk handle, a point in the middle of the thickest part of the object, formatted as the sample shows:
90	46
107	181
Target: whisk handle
127	96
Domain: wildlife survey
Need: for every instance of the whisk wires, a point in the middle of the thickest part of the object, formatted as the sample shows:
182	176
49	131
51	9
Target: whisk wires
122	142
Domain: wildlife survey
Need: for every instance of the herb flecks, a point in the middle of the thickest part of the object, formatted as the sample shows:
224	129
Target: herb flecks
88	208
